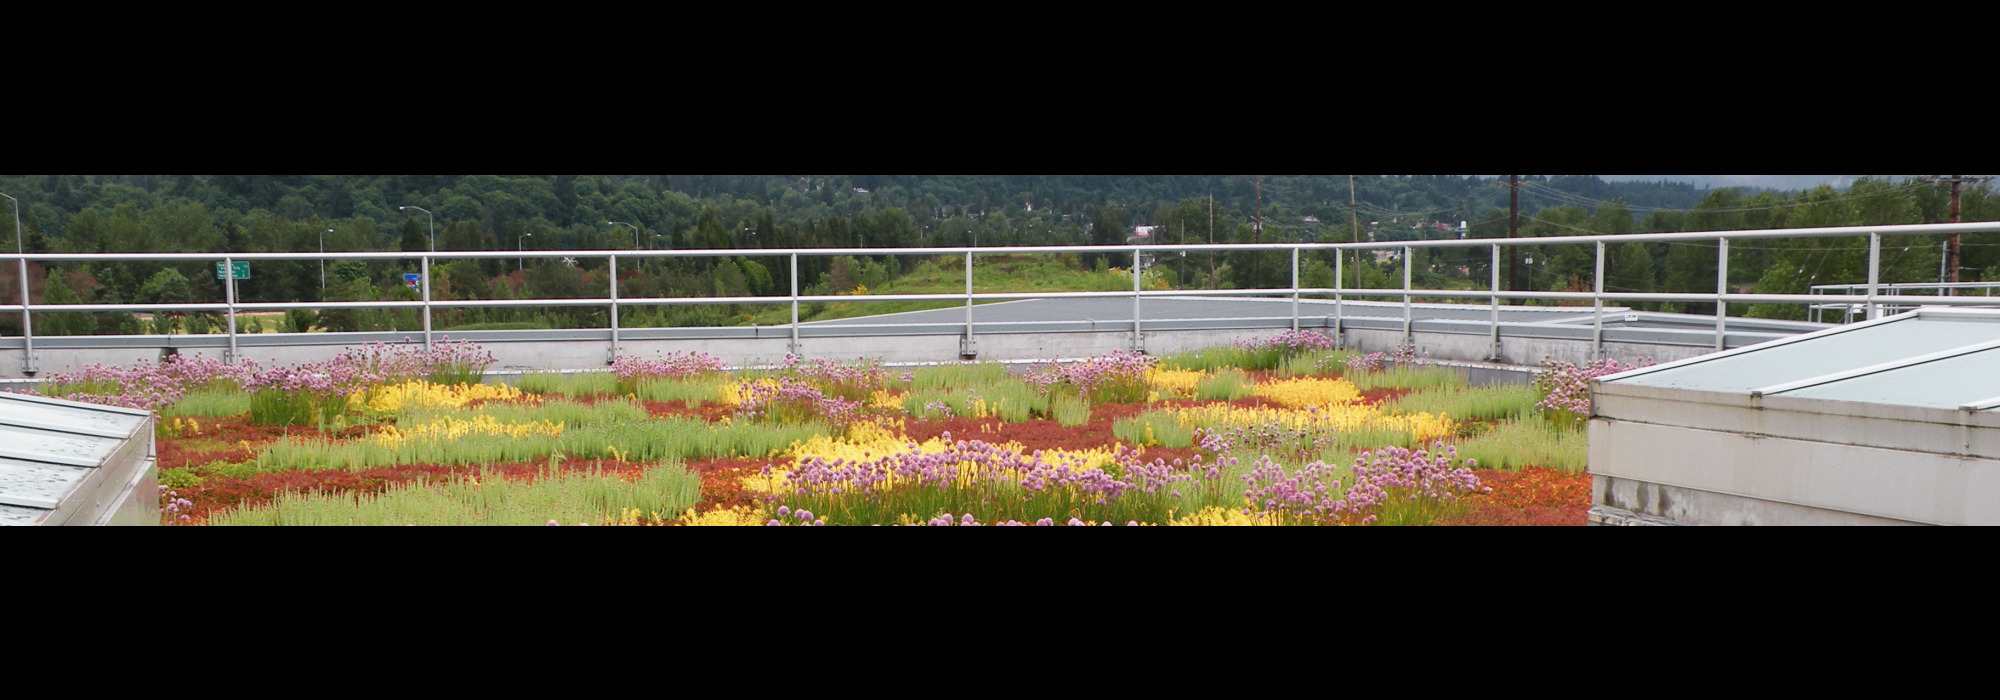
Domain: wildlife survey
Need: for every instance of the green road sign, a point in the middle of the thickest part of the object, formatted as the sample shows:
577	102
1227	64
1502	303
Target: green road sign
241	270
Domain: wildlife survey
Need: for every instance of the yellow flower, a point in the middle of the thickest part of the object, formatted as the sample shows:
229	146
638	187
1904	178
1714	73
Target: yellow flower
738	516
420	394
1300	392
1179	383
1217	516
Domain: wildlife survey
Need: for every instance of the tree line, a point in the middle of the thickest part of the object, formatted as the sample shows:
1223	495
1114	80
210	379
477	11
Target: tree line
255	213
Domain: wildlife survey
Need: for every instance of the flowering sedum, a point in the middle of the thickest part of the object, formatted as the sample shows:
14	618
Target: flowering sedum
1421	427
422	394
1302	392
1217	516
1174	383
450	429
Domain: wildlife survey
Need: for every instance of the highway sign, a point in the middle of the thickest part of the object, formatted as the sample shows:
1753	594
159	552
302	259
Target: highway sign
241	270
412	279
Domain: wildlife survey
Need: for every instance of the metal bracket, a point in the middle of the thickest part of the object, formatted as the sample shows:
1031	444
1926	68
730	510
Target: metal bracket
28	366
1139	343
967	348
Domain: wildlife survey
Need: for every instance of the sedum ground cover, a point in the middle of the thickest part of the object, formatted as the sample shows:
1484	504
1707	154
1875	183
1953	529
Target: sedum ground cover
1281	430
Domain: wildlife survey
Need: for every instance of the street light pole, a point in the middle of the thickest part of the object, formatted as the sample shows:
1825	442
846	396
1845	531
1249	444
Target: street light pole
17	221
322	263
432	224
521	246
27	323
635	238
635	233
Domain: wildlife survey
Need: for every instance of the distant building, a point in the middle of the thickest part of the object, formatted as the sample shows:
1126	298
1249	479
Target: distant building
858	190
1141	234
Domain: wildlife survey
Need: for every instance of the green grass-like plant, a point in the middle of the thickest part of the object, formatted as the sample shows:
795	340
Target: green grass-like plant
1165	430
570	384
960	375
1070	411
703	389
1328	363
569	498
1013	400
1476	403
604	430
1528	440
208	404
1407	378
1228	384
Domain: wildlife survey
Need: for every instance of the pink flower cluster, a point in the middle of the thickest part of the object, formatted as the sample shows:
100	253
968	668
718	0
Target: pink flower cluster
1566	385
146	387
854	381
175	508
1406	355
671	366
1270	437
1118	376
968	521
794	401
1416	474
1317	490
1290	342
803	516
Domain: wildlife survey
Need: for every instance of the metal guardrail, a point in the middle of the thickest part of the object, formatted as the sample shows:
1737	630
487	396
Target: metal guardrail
1848	311
1870	300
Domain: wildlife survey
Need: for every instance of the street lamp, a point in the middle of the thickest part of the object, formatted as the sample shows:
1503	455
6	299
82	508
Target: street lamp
635	232
427	217
17	223
27	323
521	246
322	263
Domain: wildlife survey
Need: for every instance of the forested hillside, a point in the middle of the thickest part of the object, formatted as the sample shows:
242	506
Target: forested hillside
237	213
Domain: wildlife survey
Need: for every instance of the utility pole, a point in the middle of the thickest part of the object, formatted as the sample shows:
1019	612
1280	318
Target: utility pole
1354	218
1950	272
1513	224
1257	236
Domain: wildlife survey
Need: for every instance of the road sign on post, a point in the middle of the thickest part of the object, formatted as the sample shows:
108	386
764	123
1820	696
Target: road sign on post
412	279
236	270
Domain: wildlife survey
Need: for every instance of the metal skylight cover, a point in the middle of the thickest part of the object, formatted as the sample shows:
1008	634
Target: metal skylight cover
1944	383
62	460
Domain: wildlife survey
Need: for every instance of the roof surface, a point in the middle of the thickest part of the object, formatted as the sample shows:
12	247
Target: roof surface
1930	357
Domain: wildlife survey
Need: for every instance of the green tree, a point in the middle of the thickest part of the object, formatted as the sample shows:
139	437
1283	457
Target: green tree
413	236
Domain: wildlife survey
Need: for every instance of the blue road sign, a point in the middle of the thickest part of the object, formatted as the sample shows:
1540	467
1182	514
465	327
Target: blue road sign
412	279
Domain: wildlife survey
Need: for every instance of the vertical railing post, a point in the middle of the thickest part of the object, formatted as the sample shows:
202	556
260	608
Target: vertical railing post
229	296
1874	273
1138	341
1339	338
613	269
424	280
1493	323
1721	288
1295	290
794	347
1406	296
27	326
966	347
1597	308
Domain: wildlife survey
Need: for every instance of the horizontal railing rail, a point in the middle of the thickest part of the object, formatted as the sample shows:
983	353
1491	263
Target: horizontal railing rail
1873	298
